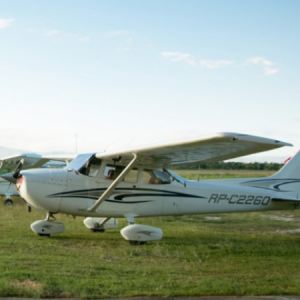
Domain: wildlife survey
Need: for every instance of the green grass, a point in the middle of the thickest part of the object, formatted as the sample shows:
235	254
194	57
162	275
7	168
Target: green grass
239	254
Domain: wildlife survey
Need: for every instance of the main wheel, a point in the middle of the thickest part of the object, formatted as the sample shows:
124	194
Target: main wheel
97	230
137	243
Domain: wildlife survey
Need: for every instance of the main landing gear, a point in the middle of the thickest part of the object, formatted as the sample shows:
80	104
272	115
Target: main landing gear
100	224
136	234
141	234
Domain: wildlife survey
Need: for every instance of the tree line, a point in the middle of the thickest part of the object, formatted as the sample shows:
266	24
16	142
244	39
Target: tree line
221	165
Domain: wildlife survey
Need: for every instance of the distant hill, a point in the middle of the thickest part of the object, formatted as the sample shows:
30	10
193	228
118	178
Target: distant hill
4	151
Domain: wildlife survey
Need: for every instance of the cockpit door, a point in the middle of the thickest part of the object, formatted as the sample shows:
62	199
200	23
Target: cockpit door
123	197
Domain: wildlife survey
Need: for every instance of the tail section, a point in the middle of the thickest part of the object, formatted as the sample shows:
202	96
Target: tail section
286	180
291	170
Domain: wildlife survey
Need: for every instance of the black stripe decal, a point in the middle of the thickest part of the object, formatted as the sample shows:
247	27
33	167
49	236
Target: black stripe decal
94	194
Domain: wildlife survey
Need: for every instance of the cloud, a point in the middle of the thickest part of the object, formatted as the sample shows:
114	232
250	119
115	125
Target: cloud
5	22
52	32
178	56
214	64
84	40
270	71
266	65
189	59
115	33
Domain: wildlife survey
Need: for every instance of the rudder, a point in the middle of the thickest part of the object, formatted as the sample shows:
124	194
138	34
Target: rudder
291	170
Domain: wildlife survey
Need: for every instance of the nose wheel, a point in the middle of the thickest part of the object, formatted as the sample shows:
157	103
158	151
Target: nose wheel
8	202
48	226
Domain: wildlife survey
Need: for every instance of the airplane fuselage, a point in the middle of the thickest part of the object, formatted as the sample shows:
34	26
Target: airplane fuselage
69	192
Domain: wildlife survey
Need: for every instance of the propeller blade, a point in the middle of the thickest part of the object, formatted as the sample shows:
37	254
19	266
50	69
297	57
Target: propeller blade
9	177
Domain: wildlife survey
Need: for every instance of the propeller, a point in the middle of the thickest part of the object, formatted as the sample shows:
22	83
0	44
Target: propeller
16	172
12	177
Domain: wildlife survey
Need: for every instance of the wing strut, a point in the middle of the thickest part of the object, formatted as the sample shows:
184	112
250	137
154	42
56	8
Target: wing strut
111	188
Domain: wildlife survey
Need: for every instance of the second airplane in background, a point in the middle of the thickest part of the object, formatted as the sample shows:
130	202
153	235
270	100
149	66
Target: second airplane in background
31	161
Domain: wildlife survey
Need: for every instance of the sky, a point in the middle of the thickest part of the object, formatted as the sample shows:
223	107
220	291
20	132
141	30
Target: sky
88	75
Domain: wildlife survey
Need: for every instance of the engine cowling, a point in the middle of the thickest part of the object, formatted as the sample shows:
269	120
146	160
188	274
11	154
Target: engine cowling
138	234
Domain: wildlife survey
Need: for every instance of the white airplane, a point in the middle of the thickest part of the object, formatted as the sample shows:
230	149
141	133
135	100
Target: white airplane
135	183
31	161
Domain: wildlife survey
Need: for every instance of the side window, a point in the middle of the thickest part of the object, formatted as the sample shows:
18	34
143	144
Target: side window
91	167
94	167
131	176
162	177
112	172
155	177
147	176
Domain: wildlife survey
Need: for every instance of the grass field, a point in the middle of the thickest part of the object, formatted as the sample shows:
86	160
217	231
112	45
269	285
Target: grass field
219	174
227	254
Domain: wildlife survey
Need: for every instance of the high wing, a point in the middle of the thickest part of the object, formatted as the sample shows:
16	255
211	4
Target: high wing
31	160
221	146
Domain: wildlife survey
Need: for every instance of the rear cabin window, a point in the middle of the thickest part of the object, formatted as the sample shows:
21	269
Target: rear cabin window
155	177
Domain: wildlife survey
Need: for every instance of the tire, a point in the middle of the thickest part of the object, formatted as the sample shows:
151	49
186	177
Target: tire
97	230
136	243
8	202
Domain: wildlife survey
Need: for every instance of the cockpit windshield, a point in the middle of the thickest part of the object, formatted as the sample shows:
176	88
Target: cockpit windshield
79	161
85	164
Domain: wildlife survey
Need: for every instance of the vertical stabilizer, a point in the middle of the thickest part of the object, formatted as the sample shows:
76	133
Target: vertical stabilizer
291	170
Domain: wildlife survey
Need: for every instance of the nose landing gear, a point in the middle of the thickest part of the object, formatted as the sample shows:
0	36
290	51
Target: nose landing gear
8	202
47	226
